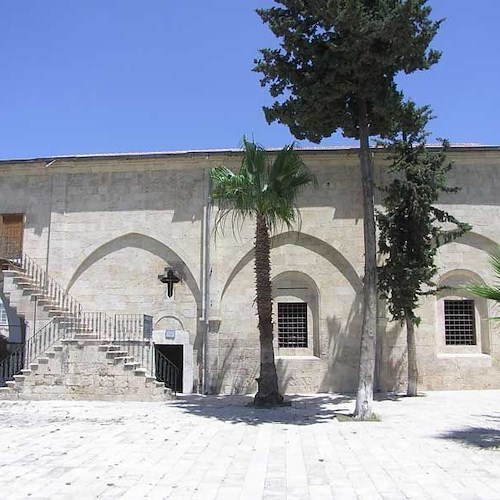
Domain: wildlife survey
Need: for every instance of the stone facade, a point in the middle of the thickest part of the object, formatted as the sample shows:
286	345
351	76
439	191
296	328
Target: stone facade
106	227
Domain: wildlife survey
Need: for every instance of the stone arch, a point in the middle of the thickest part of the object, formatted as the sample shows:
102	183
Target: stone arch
165	321
451	286
143	242
457	276
297	286
478	241
308	242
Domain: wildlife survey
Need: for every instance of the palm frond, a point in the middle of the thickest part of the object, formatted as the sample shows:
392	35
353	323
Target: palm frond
486	291
262	186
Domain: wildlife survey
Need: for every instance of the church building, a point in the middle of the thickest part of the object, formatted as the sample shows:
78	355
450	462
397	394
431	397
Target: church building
120	250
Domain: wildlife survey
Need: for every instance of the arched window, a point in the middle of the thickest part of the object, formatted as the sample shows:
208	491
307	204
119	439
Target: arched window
296	313
462	318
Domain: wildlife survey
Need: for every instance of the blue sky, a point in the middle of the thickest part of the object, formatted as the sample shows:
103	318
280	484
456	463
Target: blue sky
94	76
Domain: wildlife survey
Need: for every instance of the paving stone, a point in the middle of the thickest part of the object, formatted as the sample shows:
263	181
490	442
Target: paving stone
217	448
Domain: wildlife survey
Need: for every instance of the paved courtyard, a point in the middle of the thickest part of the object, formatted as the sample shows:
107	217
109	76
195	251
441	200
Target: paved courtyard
441	445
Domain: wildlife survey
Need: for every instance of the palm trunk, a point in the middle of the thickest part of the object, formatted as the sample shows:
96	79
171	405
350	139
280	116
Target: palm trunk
369	332
268	393
412	357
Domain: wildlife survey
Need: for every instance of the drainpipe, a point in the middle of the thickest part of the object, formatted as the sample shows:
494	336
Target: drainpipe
206	289
49	229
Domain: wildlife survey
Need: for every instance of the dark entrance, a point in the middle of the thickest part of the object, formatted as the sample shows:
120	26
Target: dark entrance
168	356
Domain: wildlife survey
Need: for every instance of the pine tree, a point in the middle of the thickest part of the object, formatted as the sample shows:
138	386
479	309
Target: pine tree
411	231
335	69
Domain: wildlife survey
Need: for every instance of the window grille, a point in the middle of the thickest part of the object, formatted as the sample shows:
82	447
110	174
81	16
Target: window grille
459	322
292	324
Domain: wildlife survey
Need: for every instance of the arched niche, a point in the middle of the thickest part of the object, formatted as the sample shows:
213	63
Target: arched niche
296	293
452	290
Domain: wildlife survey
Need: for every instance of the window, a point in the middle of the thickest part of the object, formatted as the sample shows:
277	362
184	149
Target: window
459	322
292	324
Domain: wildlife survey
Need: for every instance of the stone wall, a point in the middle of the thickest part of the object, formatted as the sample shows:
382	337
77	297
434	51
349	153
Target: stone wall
106	227
88	370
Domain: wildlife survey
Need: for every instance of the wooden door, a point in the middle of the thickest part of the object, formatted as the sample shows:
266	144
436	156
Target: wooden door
11	235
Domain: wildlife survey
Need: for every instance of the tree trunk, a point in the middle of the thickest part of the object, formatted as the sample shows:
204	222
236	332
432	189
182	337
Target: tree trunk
268	393
364	397
412	357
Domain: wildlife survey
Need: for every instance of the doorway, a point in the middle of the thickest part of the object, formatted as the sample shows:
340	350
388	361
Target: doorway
11	233
164	372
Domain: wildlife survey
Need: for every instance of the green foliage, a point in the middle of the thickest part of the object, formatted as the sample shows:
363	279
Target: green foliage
263	186
485	291
335	53
411	228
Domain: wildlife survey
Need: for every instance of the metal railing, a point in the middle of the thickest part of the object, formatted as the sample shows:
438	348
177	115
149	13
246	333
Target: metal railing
38	280
12	364
131	331
133	326
165	371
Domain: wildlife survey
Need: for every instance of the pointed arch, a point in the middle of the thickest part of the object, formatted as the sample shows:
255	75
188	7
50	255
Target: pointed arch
142	242
308	242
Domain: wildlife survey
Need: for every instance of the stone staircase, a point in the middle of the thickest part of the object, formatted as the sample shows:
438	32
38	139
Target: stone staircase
74	354
83	368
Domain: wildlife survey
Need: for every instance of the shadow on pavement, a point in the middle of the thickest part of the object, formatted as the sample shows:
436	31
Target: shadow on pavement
303	410
480	437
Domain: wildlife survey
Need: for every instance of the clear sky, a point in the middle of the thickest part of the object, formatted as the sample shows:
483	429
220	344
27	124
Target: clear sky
94	76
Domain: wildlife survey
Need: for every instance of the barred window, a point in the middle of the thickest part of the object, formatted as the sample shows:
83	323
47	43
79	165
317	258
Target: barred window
292	324
459	322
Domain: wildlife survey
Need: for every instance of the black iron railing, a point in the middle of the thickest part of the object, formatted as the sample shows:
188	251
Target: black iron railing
165	371
37	279
12	364
133	326
131	331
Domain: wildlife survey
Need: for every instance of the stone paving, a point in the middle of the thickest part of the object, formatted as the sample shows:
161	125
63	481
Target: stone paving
443	445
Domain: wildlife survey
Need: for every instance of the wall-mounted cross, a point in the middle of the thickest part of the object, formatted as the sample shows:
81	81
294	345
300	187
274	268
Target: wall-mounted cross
170	279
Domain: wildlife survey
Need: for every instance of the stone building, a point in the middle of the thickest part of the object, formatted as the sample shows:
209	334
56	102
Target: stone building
130	236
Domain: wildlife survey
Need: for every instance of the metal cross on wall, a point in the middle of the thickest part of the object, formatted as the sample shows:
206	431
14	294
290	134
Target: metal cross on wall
170	279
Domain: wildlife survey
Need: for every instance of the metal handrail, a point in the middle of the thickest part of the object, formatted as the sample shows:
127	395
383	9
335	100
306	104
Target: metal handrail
165	371
11	253
126	329
132	326
12	364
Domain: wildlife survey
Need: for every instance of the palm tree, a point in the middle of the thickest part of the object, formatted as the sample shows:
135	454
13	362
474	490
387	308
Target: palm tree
485	291
266	190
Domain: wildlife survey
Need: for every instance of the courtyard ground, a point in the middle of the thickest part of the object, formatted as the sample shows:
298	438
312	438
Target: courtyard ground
440	445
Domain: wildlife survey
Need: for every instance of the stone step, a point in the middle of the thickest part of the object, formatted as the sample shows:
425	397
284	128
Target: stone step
19	379
113	354
85	336
131	365
104	347
26	371
125	359
10	383
140	372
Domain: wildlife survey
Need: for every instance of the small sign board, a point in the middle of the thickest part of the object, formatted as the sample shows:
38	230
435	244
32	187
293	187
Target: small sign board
170	334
